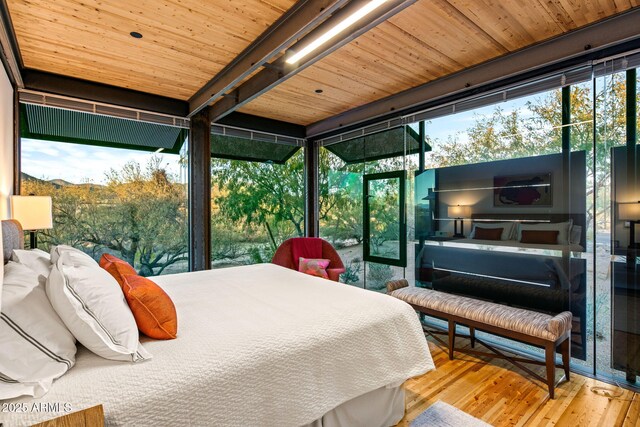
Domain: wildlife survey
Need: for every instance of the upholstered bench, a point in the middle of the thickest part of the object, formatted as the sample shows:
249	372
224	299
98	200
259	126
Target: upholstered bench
530	327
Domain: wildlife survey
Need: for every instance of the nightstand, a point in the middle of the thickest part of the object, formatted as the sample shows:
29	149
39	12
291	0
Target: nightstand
90	417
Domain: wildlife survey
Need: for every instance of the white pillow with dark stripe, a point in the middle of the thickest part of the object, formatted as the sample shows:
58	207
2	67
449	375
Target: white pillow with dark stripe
36	259
35	345
90	302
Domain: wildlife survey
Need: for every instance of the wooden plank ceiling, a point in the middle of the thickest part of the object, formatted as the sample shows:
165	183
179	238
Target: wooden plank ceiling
186	42
428	40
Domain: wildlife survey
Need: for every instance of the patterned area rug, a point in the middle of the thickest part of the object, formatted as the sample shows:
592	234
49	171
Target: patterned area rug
442	414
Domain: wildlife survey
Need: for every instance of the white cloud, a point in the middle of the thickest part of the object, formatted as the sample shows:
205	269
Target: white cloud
81	163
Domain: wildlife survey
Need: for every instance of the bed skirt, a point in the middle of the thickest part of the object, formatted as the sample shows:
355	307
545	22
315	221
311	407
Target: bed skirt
383	407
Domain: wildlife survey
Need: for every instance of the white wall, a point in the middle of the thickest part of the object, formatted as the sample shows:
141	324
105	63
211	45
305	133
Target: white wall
6	142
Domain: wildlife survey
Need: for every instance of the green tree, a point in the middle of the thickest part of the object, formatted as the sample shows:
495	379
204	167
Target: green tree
140	215
266	195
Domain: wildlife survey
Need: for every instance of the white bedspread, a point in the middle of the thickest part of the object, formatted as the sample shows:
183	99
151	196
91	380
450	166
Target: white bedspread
257	346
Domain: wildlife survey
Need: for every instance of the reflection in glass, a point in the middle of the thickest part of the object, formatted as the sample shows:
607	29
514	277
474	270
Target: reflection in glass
383	198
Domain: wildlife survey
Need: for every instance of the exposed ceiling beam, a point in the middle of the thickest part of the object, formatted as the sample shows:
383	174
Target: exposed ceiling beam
97	92
558	51
9	46
84	89
298	21
263	124
279	71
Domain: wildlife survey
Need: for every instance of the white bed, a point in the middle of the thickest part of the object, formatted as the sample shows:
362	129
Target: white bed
257	345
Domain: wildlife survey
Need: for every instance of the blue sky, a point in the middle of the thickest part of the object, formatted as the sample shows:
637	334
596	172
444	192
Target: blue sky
82	163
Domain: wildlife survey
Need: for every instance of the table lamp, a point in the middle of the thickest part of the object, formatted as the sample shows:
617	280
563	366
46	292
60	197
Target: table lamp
34	213
630	212
458	213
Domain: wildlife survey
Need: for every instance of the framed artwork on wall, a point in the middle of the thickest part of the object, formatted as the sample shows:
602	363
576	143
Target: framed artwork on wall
523	190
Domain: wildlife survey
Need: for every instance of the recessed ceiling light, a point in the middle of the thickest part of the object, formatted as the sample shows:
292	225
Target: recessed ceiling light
135	35
319	90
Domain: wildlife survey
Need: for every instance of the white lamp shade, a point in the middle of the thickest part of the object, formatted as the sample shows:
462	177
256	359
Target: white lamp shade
459	211
629	211
33	212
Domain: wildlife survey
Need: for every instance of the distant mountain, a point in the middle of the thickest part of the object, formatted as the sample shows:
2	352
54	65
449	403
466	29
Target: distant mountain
62	182
27	177
58	183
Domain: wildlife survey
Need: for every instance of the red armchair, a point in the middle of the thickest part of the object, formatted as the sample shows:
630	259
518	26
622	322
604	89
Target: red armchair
290	251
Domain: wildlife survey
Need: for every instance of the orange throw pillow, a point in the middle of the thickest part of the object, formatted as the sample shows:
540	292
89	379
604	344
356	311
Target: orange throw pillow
116	267
152	308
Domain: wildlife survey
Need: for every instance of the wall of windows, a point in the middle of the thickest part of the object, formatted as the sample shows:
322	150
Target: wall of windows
255	206
107	199
345	167
550	156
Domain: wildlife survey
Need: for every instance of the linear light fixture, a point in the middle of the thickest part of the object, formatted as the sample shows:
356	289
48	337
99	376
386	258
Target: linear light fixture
335	30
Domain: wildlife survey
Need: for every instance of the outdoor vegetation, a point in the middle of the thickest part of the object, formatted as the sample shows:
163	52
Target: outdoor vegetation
141	211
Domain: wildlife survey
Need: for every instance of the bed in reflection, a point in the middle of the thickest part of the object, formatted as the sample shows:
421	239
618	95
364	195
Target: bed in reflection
546	277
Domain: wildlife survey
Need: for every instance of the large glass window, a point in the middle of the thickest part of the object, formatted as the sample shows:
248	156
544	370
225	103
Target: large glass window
345	168
108	199
552	162
257	203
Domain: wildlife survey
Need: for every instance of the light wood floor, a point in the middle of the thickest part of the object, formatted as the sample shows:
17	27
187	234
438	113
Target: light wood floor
502	395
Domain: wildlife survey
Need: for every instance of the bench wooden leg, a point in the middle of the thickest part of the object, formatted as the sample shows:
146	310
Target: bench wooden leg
550	361
565	350
472	336
452	338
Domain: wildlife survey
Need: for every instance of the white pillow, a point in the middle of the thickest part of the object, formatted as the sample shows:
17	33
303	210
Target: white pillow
35	259
575	235
35	345
75	256
92	305
564	229
507	228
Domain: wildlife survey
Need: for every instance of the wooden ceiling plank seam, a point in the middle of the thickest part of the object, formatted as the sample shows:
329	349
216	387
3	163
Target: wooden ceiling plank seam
557	13
510	33
472	24
440	57
436	25
401	75
421	45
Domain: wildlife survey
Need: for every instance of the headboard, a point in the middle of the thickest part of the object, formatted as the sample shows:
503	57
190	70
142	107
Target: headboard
12	238
578	219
